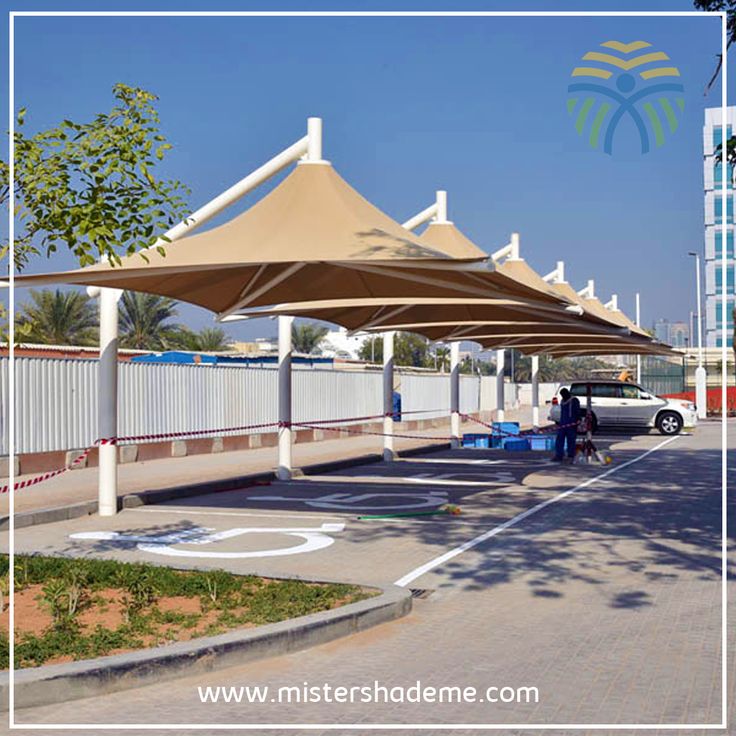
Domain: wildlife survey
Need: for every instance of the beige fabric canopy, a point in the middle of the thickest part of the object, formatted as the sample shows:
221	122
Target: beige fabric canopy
436	318
422	314
594	307
312	237
575	343
561	351
448	238
442	234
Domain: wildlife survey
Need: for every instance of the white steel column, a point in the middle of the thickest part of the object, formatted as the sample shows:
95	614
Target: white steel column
535	391
455	394
107	401
314	139
388	396
701	377
638	324
284	468
500	397
311	147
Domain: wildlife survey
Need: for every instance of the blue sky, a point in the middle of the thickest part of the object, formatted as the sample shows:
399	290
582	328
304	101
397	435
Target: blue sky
472	105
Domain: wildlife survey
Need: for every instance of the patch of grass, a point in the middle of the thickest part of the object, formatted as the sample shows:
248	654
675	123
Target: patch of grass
134	593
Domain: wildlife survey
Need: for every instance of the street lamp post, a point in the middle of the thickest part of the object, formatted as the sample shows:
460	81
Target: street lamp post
638	324
701	399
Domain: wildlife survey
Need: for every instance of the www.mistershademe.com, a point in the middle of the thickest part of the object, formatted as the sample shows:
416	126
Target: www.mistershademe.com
371	693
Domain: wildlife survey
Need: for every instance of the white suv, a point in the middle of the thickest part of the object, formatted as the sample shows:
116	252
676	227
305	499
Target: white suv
617	403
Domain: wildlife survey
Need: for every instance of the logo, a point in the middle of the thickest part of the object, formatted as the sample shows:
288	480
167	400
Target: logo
625	80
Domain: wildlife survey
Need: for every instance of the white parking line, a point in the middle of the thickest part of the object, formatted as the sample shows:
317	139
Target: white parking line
448	461
437	561
260	515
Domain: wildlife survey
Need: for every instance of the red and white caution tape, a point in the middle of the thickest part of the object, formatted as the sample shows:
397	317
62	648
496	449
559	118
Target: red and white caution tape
122	440
304	425
503	433
53	473
316	424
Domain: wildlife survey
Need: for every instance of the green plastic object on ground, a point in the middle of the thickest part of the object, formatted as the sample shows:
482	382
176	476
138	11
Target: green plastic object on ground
449	508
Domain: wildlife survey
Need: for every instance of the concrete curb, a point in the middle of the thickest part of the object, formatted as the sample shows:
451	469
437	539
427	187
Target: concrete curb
89	678
143	498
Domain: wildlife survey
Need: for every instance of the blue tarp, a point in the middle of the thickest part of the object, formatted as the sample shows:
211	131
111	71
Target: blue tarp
184	357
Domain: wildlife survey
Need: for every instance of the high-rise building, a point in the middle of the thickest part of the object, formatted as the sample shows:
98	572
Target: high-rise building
679	335
662	330
676	334
713	135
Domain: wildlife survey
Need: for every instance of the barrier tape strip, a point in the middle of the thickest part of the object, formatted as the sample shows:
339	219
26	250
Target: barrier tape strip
522	433
120	440
191	433
394	414
316	424
377	434
53	473
19	485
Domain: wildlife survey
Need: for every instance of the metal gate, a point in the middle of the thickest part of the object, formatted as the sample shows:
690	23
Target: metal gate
662	376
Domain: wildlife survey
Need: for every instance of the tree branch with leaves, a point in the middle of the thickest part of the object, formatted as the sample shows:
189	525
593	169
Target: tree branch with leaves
90	187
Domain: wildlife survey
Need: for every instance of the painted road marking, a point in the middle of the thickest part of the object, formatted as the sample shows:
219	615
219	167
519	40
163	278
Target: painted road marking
450	554
450	479
353	502
161	544
449	461
255	514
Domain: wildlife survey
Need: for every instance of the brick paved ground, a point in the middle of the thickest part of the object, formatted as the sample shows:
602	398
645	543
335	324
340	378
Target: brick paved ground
81	485
608	601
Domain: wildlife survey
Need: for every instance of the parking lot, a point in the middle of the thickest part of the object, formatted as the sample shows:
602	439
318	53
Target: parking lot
600	586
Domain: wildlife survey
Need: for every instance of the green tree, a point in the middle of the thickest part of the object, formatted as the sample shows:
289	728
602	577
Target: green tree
307	338
208	339
442	357
558	369
467	365
409	350
91	185
145	322
58	318
371	350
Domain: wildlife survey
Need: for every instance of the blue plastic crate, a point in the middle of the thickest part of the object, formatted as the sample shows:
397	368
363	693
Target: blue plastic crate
517	445
543	442
501	432
476	440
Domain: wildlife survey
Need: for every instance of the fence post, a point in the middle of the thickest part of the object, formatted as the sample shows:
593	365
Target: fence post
107	408
535	391
388	396
284	399
455	394
500	398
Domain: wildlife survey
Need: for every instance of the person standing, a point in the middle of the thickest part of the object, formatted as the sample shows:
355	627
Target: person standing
567	432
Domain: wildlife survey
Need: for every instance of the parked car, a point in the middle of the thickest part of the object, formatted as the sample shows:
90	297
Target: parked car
620	404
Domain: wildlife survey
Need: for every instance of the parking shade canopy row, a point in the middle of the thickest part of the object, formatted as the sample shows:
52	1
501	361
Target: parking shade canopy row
494	323
313	236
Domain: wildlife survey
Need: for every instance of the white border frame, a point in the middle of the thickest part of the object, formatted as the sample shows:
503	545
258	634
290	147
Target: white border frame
363	726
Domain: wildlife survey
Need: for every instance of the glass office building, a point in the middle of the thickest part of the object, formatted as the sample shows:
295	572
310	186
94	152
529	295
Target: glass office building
713	134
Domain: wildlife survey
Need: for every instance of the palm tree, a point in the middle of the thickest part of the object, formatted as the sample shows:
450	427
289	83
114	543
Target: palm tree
208	339
307	338
442	356
409	349
58	318
145	321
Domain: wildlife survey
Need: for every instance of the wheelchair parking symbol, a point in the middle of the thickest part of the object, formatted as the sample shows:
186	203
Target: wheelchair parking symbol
163	544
